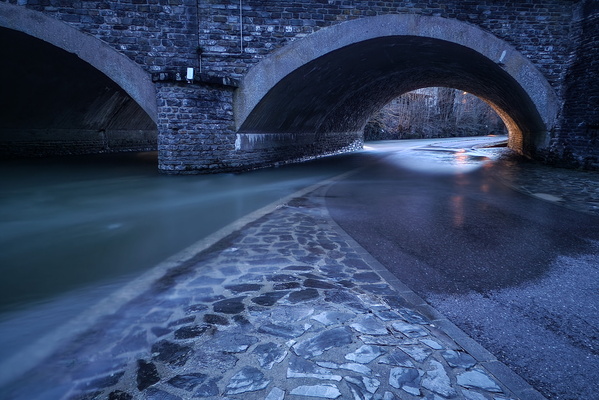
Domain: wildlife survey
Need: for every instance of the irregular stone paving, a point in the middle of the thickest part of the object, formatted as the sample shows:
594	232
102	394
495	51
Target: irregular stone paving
284	309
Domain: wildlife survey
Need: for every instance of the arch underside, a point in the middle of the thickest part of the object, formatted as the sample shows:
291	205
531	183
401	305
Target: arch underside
54	100
339	90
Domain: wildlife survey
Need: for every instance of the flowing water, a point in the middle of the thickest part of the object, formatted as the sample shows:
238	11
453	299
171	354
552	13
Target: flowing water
75	229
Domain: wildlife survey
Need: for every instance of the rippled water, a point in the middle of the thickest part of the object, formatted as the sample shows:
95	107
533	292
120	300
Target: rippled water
72	230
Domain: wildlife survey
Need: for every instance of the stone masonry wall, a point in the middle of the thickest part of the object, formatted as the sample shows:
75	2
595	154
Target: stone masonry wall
197	134
196	128
576	143
224	38
539	29
157	34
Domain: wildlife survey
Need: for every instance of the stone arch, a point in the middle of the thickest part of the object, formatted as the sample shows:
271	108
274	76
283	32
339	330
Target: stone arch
123	71
335	78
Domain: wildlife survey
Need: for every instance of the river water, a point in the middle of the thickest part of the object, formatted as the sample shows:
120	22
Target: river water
75	229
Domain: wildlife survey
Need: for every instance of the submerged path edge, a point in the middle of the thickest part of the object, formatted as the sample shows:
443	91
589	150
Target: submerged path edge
15	366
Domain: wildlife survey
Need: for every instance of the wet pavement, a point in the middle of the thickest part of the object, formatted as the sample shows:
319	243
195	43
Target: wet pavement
285	307
573	189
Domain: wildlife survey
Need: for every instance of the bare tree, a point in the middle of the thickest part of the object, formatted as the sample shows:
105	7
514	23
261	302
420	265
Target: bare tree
433	112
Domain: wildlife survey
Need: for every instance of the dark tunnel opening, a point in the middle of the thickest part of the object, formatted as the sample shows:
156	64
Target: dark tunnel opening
340	91
54	103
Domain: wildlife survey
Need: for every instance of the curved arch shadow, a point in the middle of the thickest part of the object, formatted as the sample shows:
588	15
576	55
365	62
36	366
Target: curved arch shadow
129	76
336	78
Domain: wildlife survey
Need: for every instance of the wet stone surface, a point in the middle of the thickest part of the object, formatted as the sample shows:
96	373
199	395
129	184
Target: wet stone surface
286	309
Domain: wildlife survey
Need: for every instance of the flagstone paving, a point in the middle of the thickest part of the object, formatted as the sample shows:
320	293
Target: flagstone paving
286	308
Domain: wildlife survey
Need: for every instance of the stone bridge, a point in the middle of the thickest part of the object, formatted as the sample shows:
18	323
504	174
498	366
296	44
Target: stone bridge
280	80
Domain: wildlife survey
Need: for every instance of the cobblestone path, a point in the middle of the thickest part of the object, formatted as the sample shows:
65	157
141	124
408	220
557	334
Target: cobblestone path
285	308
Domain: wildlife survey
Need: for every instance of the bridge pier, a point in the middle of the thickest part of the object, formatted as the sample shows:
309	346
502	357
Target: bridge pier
196	134
195	128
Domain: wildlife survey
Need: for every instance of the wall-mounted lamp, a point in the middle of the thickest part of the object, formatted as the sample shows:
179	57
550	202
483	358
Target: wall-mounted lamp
189	76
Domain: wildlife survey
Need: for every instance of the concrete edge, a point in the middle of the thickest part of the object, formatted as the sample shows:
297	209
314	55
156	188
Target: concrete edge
504	375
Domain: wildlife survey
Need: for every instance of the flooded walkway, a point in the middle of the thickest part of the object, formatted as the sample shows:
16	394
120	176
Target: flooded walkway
287	307
281	305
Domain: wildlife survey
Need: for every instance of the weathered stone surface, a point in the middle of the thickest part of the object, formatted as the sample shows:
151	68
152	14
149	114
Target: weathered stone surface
249	379
214	360
275	394
364	384
325	391
324	341
365	354
232	343
303	295
157	394
459	359
369	325
478	379
119	395
387	315
287	285
187	382
470	395
171	353
229	306
244	287
147	375
398	358
318	284
437	380
333	317
301	368
411	331
367	277
383	340
269	299
433	344
208	389
418	353
216	319
188	332
340	296
407	379
286	331
269	353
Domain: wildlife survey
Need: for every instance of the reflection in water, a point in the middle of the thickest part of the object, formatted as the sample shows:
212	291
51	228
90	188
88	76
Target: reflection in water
436	160
457	207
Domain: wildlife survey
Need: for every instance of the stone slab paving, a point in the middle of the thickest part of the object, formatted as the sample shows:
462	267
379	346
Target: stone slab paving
288	307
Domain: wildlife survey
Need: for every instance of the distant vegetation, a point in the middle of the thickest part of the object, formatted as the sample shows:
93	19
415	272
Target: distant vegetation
434	112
